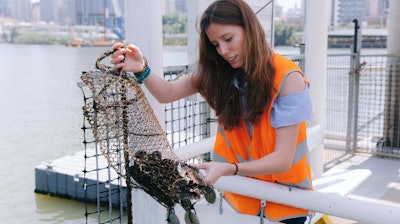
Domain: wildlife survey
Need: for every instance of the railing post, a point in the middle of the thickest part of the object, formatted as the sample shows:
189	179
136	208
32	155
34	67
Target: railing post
355	77
350	106
391	129
315	54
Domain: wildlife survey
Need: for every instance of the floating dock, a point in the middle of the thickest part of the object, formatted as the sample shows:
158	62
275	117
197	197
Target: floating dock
73	178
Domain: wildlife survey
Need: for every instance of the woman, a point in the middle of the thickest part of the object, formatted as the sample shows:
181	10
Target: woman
260	98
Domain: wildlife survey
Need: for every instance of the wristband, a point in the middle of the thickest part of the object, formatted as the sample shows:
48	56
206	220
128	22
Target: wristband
140	77
237	169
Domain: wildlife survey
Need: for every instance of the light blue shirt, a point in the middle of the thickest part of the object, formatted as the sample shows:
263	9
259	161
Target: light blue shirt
291	109
287	110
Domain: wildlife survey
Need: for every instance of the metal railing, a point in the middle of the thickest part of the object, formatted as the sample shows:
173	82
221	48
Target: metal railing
186	120
377	127
362	106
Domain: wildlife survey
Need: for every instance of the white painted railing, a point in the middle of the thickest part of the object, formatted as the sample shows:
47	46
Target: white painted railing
326	203
324	199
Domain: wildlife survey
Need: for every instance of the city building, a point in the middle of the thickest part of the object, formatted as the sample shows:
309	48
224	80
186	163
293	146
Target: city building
16	9
370	12
4	9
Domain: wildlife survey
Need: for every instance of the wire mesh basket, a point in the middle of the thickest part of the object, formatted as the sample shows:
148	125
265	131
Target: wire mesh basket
121	117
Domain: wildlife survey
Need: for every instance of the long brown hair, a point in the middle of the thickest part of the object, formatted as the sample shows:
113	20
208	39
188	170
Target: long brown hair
214	79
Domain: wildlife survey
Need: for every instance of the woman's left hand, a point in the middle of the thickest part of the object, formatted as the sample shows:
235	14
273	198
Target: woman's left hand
215	170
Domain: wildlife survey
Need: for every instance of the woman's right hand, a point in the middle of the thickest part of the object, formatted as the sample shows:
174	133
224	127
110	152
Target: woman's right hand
129	58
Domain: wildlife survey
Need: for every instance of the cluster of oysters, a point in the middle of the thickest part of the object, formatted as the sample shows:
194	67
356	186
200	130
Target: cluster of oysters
170	182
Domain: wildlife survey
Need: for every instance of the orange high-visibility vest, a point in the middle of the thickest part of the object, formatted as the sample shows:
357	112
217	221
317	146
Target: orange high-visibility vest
237	146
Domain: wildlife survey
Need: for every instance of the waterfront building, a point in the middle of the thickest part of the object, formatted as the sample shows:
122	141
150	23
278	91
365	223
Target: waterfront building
371	12
377	12
4	9
50	10
181	5
351	9
20	10
78	12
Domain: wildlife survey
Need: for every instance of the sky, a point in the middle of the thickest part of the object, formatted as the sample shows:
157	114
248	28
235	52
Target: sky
287	4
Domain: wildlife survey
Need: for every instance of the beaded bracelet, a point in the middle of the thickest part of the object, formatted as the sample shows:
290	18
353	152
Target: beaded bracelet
140	77
237	169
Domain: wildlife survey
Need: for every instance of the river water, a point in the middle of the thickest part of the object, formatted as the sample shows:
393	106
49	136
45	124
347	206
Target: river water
40	120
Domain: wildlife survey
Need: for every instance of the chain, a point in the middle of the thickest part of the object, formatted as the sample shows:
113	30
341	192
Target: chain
358	69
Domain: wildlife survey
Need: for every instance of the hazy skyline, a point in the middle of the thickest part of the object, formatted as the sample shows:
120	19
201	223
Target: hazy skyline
287	4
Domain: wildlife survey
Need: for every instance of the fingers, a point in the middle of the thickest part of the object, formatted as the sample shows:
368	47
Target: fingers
118	61
119	65
203	169
117	46
126	57
134	49
118	52
117	57
120	47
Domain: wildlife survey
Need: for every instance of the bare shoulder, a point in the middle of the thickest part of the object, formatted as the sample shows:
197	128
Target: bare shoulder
294	82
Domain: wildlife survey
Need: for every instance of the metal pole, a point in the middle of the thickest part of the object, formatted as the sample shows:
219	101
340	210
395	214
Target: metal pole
357	48
356	27
350	105
391	112
315	54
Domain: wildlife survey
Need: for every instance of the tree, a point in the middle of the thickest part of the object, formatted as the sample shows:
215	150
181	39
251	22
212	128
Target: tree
14	34
174	23
284	34
4	36
174	28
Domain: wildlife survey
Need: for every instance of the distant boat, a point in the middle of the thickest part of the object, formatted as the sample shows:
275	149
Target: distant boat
90	41
75	42
103	42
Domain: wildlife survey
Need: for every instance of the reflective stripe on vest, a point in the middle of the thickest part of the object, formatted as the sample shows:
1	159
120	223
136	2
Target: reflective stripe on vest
301	153
237	146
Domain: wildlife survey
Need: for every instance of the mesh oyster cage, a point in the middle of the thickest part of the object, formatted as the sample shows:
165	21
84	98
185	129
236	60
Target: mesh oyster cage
121	116
124	125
